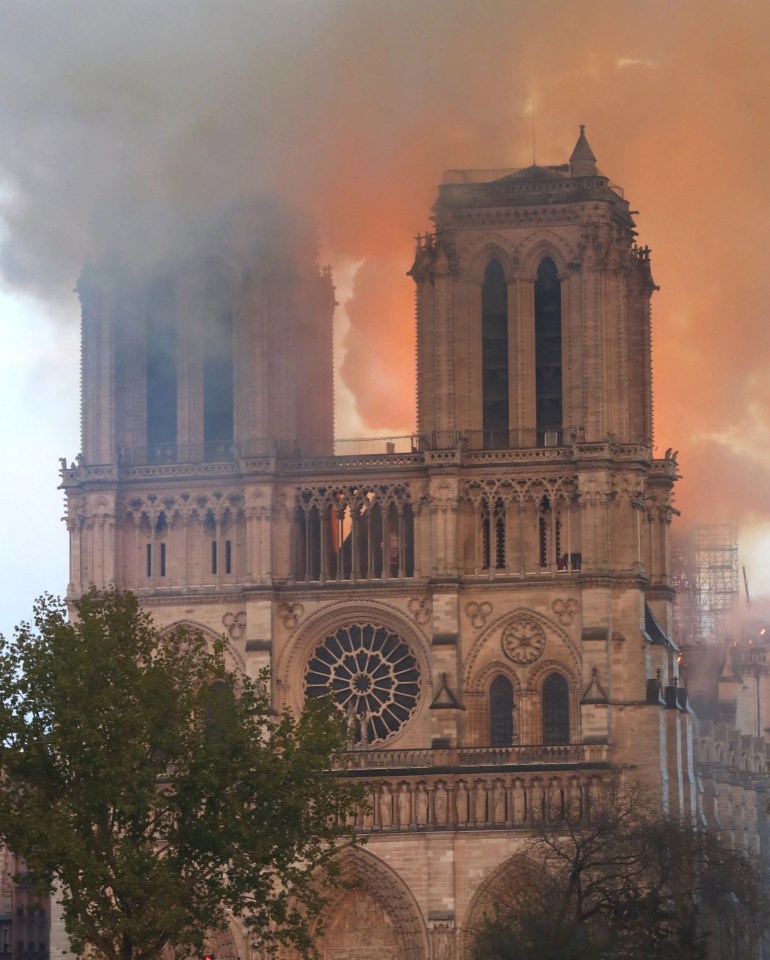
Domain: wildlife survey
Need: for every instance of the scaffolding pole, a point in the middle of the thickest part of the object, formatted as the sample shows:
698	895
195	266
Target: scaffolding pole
705	572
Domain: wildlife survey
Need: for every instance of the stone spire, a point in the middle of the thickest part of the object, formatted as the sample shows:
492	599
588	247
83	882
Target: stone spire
582	162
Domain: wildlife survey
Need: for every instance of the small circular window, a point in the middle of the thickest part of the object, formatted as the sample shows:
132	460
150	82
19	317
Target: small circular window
373	676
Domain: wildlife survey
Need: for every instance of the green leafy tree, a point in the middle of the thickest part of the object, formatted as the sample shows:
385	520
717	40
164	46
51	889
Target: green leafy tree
626	882
154	787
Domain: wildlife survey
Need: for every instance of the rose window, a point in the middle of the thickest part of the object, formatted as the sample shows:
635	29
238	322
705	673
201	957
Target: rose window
523	641
373	676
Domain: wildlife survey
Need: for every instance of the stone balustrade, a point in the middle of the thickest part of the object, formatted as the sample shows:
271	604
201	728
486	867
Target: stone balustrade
462	758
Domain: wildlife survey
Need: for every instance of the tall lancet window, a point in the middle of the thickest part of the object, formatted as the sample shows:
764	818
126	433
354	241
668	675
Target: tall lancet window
555	709
501	712
161	372
218	374
494	356
548	380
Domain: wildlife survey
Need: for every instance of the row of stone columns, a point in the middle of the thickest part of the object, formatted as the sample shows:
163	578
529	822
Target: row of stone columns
476	802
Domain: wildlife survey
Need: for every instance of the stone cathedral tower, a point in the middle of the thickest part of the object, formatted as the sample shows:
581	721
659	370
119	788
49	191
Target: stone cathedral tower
490	601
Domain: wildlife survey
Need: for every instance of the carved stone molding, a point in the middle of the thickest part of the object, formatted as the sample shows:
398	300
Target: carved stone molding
235	624
478	613
520	490
444	494
523	640
421	609
291	614
565	610
164	508
503	627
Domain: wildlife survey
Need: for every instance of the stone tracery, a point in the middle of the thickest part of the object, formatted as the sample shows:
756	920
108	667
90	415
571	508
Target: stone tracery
373	676
353	531
505	510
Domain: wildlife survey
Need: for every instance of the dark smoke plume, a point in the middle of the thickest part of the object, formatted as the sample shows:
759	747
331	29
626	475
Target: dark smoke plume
352	109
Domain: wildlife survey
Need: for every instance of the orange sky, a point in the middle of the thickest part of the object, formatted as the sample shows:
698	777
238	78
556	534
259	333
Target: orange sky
353	108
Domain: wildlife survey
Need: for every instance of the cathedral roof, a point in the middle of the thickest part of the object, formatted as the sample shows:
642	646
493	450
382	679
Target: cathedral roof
535	173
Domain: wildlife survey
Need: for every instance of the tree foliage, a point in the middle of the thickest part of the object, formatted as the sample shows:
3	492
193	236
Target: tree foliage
624	882
154	786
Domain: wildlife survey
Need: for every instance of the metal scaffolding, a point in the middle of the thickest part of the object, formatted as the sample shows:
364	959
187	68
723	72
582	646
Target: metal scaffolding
705	574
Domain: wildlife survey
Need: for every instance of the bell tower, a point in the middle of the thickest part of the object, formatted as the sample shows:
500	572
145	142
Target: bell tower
198	370
222	351
533	307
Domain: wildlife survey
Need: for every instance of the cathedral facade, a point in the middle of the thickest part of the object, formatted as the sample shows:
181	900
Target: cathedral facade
490	600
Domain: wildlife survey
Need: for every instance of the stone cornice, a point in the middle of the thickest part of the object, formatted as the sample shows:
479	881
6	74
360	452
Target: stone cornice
394	589
346	591
198	598
660	591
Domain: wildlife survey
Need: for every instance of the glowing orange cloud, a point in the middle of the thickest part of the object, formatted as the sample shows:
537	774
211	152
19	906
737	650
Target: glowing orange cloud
353	108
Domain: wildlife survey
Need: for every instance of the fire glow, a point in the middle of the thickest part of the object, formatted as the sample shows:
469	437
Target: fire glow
352	110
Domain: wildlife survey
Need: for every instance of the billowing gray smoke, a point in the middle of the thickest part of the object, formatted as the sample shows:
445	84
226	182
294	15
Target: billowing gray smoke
123	123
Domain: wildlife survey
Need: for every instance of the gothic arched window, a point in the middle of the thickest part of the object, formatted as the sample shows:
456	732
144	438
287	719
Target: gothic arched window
353	535
555	709
549	533
501	712
161	372
494	357
548	379
218	368
493	534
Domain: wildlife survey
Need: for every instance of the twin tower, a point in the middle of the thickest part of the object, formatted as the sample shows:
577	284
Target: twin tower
490	601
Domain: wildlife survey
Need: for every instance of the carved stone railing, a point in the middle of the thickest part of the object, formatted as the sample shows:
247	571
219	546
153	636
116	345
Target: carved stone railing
464	758
340	464
487	801
407	452
80	474
162	471
76	473
527	455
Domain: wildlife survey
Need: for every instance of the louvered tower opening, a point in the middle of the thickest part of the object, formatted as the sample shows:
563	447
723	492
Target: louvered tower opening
494	357
548	364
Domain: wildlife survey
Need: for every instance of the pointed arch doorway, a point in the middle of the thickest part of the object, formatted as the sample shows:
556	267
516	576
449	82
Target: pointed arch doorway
359	929
371	915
